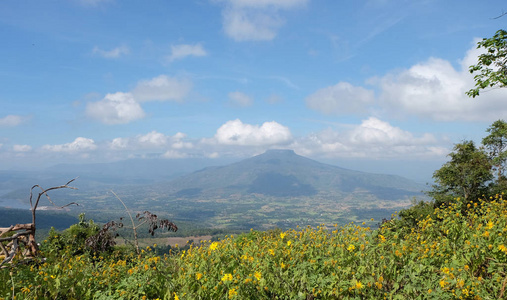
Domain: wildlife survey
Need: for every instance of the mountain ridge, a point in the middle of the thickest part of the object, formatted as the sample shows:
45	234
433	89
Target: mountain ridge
283	173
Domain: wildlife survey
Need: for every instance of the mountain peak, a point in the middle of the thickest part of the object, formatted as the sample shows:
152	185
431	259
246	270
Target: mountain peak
283	152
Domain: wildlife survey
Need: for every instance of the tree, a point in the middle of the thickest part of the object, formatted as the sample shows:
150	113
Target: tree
466	175
496	144
492	65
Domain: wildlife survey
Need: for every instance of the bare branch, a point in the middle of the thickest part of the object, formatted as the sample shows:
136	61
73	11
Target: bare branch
503	14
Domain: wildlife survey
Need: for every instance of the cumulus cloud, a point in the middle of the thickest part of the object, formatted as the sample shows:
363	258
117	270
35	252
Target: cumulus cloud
236	132
373	138
122	108
342	98
375	131
21	148
119	143
113	53
435	89
182	51
162	88
252	20
240	99
117	108
80	144
12	120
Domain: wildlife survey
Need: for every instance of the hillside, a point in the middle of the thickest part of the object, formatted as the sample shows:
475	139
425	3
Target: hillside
283	173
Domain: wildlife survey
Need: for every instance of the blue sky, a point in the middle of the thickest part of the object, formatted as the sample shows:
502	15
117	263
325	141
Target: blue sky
374	85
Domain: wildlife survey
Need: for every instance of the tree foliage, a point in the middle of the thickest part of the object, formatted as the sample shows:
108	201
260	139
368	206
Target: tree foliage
465	175
473	171
492	65
496	144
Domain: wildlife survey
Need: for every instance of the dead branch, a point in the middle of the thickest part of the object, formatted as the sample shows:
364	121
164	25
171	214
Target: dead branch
9	250
503	14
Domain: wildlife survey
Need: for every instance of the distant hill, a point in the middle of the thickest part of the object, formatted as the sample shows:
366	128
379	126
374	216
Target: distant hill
283	173
275	189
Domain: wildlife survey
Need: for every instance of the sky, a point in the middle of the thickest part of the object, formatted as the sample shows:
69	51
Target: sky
373	85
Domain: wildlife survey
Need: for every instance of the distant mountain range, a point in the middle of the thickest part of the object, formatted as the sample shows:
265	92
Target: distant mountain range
275	189
283	173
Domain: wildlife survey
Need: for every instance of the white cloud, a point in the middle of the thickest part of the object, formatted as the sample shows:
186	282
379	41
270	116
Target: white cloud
162	88
436	90
78	145
113	53
342	98
374	131
252	20
21	148
152	140
119	143
117	108
240	99
371	139
245	25
236	133
182	51
12	120
433	89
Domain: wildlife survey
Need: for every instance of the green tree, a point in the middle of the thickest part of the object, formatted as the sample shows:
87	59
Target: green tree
496	145
466	175
492	65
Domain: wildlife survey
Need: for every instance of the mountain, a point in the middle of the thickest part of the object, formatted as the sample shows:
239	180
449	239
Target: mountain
283	173
275	189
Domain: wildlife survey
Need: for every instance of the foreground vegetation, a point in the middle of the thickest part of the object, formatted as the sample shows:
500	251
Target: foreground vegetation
450	253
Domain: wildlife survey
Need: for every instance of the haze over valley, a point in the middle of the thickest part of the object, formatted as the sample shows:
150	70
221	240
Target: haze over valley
275	189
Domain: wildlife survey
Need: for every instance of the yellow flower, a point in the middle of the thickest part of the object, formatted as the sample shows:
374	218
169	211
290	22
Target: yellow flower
442	283
176	297
227	277
198	276
213	246
288	243
358	285
258	275
232	293
490	225
351	247
460	283
282	235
